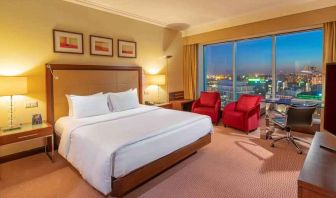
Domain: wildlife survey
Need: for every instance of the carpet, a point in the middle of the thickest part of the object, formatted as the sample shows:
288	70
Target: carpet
233	165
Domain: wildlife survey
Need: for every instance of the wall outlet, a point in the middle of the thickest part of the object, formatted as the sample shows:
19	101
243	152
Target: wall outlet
31	104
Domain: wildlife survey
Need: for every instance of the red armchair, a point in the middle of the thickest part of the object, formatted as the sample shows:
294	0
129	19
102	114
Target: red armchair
209	104
243	114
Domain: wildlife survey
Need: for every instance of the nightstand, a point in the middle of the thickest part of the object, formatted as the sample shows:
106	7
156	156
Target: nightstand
166	105
29	132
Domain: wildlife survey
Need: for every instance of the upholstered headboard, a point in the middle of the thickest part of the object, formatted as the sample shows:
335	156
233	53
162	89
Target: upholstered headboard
84	80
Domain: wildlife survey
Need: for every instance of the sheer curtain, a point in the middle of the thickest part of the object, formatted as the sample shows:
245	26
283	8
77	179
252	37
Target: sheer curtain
190	62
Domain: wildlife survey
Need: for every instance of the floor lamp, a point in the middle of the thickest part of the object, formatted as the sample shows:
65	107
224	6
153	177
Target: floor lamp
157	80
167	76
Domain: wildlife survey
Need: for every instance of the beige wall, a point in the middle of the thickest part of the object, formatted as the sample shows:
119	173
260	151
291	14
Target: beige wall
26	46
277	25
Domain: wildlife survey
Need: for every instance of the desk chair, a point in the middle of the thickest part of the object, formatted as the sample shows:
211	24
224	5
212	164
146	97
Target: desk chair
295	116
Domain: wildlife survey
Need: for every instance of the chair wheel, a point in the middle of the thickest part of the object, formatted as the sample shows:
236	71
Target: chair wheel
272	144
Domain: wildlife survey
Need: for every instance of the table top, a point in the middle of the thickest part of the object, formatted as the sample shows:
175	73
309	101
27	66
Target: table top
25	128
182	100
160	104
293	102
319	168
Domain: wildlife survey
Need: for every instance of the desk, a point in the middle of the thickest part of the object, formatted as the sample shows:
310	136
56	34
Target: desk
293	102
182	105
318	176
166	105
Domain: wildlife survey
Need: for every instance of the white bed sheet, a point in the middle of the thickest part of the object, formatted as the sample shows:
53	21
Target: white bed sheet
141	153
136	154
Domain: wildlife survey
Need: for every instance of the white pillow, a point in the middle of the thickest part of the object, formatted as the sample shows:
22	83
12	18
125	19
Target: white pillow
124	100
86	106
68	97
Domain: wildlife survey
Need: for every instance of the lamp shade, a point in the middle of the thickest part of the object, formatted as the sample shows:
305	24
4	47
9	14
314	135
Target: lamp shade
10	86
156	79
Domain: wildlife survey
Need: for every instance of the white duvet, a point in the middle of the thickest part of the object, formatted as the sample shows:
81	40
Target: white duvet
90	144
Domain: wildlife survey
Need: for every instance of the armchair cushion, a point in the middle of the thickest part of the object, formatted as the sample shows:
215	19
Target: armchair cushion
247	102
208	99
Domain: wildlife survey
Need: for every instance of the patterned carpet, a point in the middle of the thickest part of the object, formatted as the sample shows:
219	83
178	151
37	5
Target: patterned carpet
233	165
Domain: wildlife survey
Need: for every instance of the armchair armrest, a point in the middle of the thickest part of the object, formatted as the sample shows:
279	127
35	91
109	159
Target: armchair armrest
218	106
195	104
230	106
253	110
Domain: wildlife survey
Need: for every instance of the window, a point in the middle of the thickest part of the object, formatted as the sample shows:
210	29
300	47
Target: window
296	59
254	67
299	65
218	70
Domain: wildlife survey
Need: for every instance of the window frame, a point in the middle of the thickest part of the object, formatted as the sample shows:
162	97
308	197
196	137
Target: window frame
234	50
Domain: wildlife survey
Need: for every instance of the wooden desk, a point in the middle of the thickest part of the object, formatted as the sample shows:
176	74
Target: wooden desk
166	105
182	105
318	176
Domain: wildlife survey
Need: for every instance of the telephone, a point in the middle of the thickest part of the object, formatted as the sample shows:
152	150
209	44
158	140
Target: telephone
149	103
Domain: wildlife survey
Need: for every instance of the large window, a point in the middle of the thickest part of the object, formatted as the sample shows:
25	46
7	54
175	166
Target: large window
248	66
254	67
299	65
218	67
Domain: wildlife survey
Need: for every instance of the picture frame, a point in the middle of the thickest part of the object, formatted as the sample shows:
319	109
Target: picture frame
36	119
101	46
68	42
127	49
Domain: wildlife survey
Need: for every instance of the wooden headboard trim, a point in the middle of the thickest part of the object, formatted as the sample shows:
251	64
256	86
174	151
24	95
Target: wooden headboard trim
50	86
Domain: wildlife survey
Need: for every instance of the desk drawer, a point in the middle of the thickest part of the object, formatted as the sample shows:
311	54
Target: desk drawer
19	137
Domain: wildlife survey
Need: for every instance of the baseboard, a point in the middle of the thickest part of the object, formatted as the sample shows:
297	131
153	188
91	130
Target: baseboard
20	155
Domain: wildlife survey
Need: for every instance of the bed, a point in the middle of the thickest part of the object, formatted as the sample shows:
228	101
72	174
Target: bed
118	151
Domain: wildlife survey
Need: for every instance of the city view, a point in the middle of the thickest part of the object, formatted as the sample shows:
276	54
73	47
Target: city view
298	65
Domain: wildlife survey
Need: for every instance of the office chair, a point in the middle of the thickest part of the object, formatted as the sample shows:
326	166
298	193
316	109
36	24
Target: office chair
295	116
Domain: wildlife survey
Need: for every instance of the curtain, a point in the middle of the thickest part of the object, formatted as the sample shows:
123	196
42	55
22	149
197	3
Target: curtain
190	62
329	42
329	54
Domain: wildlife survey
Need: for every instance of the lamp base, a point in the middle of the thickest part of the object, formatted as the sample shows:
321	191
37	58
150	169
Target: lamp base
11	128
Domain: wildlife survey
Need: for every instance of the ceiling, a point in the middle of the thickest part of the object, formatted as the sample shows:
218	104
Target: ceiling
197	16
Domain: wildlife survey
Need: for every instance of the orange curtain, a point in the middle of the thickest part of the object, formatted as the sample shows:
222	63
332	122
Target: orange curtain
190	62
329	42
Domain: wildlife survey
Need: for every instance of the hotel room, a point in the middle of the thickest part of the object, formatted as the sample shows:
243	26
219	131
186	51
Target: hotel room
156	98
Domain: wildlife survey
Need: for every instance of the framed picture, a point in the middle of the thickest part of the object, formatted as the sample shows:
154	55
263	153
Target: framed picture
127	49
68	42
36	119
101	46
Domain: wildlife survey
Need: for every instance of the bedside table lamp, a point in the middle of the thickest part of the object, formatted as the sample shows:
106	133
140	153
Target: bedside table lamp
11	86
157	80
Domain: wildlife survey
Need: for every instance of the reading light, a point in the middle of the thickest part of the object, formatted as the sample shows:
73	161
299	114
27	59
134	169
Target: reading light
52	73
